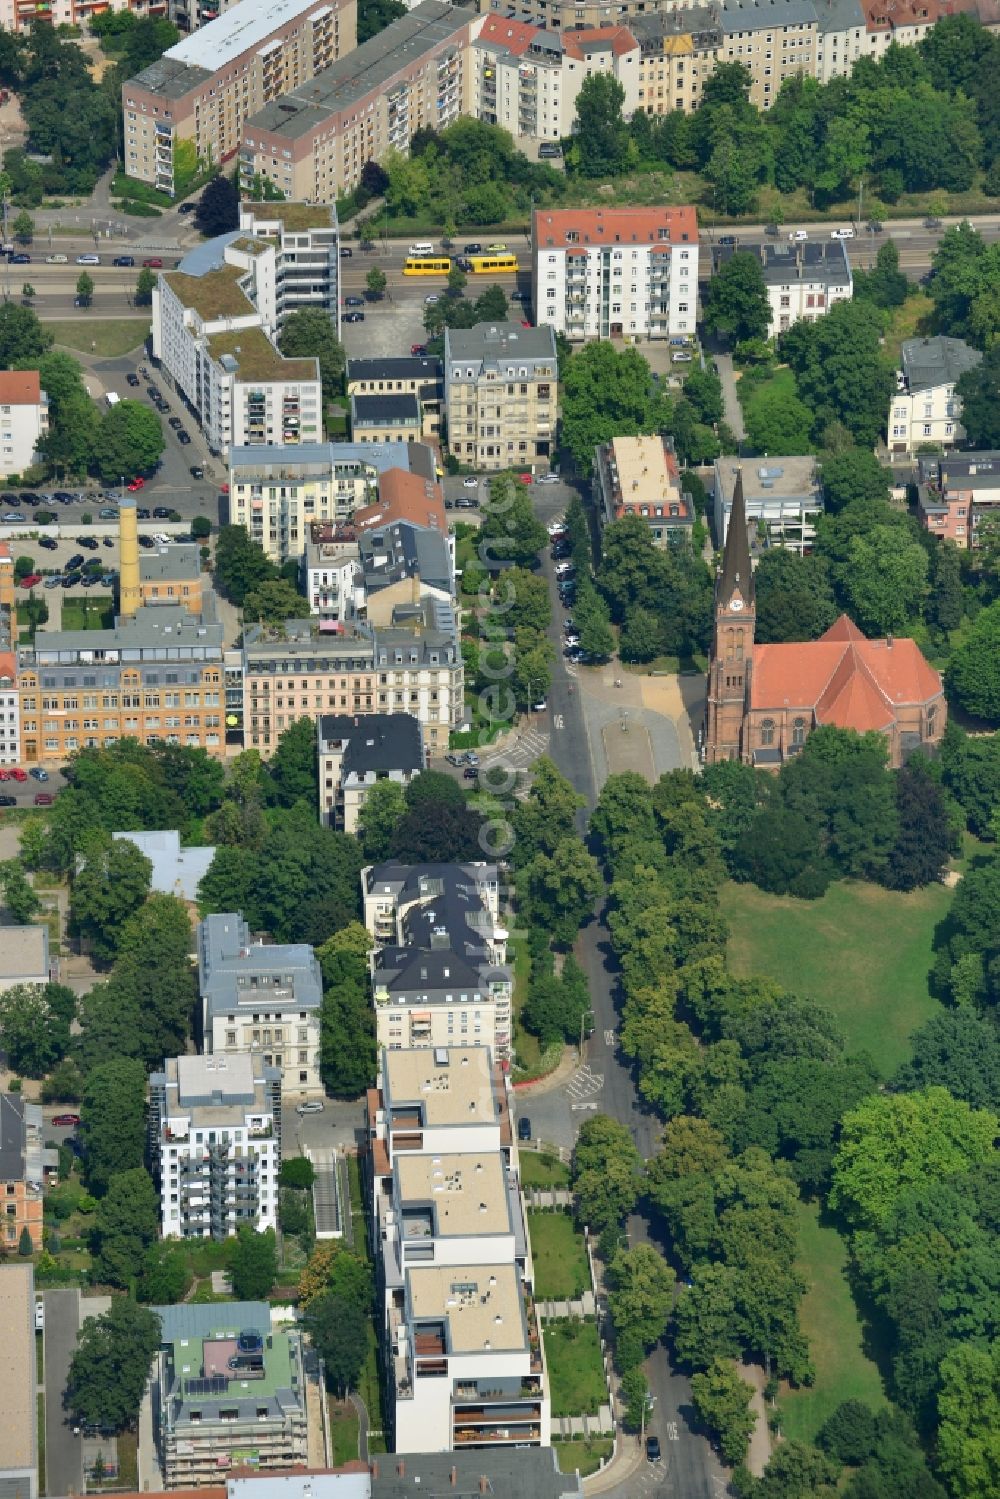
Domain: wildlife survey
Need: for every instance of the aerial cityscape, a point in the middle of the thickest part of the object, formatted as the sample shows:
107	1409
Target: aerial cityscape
500	749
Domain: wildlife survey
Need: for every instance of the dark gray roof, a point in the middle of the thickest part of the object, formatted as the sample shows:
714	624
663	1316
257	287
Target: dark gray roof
696	21
823	260
752	15
736	569
936	361
385	411
170	78
403	368
13	1138
177	563
446	934
375	741
403	550
491	342
365	70
228	959
839	15
510	1473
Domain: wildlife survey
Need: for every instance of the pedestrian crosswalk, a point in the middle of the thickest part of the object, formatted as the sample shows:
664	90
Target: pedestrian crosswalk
584	1083
523	752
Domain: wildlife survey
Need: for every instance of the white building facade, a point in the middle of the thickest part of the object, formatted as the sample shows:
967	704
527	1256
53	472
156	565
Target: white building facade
926	411
629	273
10	711
24	419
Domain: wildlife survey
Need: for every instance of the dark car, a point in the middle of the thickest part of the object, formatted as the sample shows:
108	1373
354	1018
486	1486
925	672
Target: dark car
354	301
354	317
76	560
153	393
71	580
146	541
524	1128
29	498
8	801
196	471
727	239
48	542
183	438
470	773
929	223
549	149
653	1453
20	260
346	252
474	248
88	542
141	513
109	541
44	798
132	378
874	226
124	260
161	513
175	422
65	1121
187	208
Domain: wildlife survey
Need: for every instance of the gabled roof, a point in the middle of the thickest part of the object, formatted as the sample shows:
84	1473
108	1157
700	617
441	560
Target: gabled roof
514	37
616	39
20	387
404	496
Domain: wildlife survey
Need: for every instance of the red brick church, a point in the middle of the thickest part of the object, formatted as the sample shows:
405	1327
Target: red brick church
765	700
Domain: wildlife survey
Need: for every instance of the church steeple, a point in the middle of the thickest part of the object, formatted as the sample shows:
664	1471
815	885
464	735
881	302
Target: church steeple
732	639
736	577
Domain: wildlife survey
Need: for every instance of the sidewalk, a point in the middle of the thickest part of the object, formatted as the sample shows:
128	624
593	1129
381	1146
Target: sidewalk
730	399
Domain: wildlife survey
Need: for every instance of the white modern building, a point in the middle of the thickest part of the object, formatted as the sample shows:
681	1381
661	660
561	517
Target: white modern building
925	411
358	751
629	273
439	974
215	321
215	1139
783	496
331	569
306	240
10	711
260	997
24	419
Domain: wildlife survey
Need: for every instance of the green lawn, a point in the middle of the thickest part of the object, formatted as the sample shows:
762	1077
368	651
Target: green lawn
583	1457
557	1248
576	1368
541	1170
343	1431
830	1322
107	337
861	951
93	612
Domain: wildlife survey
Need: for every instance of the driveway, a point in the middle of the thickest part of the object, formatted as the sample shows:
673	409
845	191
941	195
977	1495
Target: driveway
730	400
63	1450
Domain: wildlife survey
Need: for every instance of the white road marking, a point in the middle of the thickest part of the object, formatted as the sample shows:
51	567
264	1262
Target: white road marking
609	1039
558	721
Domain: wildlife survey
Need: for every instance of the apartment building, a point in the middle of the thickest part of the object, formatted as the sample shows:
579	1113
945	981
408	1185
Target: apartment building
314	142
501	392
24	420
439	969
402	564
24	956
331	573
23	1164
956	492
641	476
155	676
22	15
527	79
229	1391
803	281
387	418
417	376
420	1104
925	410
782	497
356	753
841	37
306	237
195	99
10	711
412	494
774	44
628	273
188	15
412	666
260	997
678	51
215	1144
18	1383
176	870
214	320
278	493
172	575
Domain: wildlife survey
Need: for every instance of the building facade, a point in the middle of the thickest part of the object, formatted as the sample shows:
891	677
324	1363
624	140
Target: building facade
23	1163
641	476
192	103
781	498
355	754
261	998
229	1392
765	700
306	237
956	493
314	142
628	273
501	395
527	80
215	1143
172	575
18	1383
10	711
678	51
439	968
386	418
803	281
417	376
24	420
925	410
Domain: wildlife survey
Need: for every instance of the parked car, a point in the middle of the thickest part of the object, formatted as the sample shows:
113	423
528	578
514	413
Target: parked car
48	542
17	774
65	1121
87	542
346	253
310	1106
539	707
38	774
12	517
30	579
681	357
524	1128
188	208
153	263
354	317
132	378
728	239
43	798
470	773
418	350
160	512
431	299
175	422
196	471
470	483
136	484
547	479
108	512
354	301
123	260
183	438
108	541
526	478
8	801
653	1453
20	259
549	149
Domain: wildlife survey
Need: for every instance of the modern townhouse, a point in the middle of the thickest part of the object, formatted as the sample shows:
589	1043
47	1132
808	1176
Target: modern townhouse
641	476
501	384
260	997
627	273
314	142
421	1105
956	492
925	409
356	753
215	1144
442	978
782	497
214	323
191	104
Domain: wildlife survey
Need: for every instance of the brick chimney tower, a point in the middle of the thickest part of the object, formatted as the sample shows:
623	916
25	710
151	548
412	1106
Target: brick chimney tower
129	596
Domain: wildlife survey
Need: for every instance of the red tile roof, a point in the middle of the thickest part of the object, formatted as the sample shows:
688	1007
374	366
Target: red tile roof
20	387
845	679
608	226
515	36
8	666
404	496
616	39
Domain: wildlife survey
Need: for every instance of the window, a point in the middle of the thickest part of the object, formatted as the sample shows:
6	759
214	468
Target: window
798	731
767	731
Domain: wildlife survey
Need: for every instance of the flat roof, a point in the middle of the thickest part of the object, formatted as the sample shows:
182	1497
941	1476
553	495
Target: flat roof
643	470
169	78
294	216
18	1422
364	71
24	951
768	478
257	357
236	31
458	1090
212	294
468	1192
491	342
180	562
481	1304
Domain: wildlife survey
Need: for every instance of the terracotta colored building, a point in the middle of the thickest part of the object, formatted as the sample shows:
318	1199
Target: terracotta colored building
765	700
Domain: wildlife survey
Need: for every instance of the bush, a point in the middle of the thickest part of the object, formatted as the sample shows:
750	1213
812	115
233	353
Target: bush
297	1172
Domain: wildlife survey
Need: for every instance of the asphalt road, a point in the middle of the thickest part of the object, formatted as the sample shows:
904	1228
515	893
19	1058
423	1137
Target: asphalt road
63	1450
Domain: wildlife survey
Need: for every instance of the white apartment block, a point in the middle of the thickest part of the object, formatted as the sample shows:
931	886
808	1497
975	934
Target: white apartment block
332	574
355	753
842	37
527	79
925	411
422	1105
262	998
306	239
10	711
24	420
439	974
198	95
214	324
628	273
803	281
215	1139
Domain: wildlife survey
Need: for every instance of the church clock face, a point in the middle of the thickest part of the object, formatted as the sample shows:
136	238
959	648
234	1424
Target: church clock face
736	605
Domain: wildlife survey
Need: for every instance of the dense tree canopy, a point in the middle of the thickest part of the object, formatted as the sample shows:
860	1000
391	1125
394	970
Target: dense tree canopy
110	1365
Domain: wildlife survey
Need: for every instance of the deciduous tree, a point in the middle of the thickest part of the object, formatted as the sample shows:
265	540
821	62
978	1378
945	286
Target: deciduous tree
110	1365
125	1225
252	1262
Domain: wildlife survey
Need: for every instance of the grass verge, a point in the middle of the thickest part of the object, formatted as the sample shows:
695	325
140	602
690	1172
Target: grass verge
560	1257
576	1368
836	1339
538	1169
343	1431
40	1421
128	1461
583	1457
107	337
861	951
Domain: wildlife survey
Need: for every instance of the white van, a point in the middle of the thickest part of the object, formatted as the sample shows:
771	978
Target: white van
421	247
112	398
